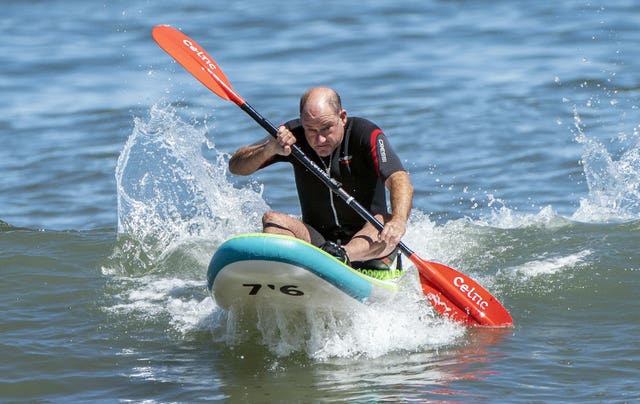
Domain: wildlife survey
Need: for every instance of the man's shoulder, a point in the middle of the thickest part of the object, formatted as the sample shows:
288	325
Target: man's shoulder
361	129
293	124
358	122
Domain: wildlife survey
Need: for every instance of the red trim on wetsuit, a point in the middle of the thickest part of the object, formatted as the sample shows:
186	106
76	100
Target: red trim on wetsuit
374	149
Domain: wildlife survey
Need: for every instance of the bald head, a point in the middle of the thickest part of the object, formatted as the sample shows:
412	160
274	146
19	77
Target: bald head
319	98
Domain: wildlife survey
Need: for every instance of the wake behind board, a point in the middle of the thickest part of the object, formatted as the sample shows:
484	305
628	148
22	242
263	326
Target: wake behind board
285	272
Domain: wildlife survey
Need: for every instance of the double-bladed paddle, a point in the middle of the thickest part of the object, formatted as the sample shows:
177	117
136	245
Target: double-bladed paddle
452	293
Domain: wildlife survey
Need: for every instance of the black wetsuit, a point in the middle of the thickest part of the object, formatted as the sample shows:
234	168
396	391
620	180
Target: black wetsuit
361	164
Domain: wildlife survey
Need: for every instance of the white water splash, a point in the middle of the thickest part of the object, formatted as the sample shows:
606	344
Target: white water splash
502	217
552	265
614	184
183	303
407	323
170	195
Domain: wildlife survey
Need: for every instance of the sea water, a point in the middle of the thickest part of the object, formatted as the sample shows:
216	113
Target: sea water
517	121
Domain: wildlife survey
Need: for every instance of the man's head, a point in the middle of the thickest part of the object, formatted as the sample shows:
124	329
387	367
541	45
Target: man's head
323	119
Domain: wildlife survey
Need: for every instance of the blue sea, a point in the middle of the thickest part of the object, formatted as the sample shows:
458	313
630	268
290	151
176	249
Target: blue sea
519	122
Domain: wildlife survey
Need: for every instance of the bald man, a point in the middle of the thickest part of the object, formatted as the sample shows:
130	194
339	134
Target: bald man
355	152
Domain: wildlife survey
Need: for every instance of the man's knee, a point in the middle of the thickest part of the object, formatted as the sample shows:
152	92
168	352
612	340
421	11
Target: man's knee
271	217
275	222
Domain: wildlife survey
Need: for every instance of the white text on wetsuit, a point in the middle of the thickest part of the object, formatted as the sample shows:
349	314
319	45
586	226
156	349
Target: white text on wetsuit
383	152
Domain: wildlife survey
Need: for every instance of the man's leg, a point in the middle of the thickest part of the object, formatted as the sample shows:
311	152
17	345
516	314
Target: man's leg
281	223
365	244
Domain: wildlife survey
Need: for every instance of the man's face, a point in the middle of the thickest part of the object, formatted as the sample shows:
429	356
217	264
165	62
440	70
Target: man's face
324	130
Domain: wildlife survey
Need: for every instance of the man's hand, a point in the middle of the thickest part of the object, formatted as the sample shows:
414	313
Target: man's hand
393	231
283	141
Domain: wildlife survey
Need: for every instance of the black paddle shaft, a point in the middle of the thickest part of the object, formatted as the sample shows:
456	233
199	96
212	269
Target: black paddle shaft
333	185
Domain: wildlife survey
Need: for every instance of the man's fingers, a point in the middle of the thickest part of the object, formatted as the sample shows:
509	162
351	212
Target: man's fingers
391	234
284	140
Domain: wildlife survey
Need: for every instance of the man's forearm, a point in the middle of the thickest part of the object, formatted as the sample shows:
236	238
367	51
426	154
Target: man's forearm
400	195
249	159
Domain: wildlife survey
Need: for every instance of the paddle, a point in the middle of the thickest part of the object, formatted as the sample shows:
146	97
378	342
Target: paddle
452	293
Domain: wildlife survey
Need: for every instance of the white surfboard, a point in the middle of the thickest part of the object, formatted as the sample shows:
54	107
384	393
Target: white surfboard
258	269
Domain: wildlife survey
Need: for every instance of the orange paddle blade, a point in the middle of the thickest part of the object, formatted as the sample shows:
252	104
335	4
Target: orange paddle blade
195	60
444	306
459	297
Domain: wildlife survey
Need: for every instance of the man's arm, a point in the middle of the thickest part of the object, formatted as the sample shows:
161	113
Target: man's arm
248	159
401	197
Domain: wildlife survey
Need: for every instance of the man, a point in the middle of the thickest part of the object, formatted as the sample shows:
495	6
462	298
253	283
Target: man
356	153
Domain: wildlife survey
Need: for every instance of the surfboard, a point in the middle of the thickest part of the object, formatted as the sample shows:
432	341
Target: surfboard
265	269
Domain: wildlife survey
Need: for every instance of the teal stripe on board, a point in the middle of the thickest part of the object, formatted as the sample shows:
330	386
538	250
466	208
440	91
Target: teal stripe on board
290	251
